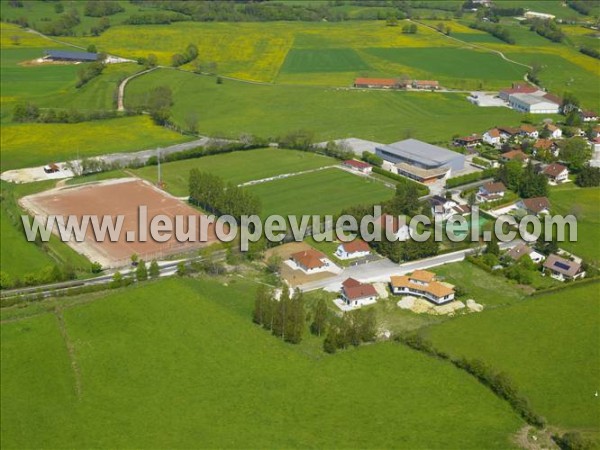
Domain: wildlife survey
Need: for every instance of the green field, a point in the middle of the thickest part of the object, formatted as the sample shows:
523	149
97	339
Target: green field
547	344
583	203
236	167
324	192
179	363
328	60
32	144
270	111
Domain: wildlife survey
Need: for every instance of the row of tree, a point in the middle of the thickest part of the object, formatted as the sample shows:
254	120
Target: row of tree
284	317
190	54
524	181
30	112
498	31
211	193
353	328
101	8
548	29
88	72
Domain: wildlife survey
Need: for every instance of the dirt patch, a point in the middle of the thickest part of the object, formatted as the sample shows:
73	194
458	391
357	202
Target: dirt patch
121	197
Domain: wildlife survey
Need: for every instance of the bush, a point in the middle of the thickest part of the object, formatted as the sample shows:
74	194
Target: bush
470	178
422	189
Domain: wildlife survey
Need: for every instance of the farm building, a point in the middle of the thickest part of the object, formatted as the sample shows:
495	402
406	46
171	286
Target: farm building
357	294
539	15
517	88
421	161
533	103
377	83
61	55
563	269
359	166
423	284
425	84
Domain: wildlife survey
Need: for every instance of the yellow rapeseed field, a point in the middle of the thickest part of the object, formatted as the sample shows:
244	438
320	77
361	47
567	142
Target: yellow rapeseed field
13	36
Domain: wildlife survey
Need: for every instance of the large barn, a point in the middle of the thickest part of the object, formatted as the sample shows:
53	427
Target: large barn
61	55
421	161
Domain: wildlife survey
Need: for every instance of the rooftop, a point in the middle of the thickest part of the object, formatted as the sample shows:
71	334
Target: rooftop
421	152
531	100
311	259
62	54
562	265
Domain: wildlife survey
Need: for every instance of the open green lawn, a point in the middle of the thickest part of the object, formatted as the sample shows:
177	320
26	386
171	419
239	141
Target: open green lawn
31	144
236	167
326	60
583	203
325	192
270	111
547	344
178	363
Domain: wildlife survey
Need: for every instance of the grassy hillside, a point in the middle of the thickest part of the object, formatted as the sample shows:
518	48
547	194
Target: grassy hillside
269	111
324	192
236	167
546	344
179	363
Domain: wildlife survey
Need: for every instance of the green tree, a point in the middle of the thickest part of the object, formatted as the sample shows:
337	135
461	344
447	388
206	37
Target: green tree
141	272
154	269
117	280
134	259
261	301
575	152
182	269
492	246
319	322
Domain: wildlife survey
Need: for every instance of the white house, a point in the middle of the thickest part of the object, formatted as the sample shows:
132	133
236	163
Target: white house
442	207
394	228
529	131
563	269
423	284
492	137
358	166
555	132
354	249
490	191
588	116
557	173
357	294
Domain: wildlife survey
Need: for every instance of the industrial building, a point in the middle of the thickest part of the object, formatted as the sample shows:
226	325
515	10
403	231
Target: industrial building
534	104
421	161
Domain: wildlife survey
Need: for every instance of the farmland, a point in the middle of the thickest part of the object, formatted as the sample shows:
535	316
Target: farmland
31	144
130	335
324	192
236	167
545	344
273	110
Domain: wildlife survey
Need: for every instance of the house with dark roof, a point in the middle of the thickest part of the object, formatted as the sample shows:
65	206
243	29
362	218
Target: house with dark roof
520	250
357	294
490	191
422	283
358	166
62	55
556	173
589	116
535	205
562	269
468	141
354	249
515	155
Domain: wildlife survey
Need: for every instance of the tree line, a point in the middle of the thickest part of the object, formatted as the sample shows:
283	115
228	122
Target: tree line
548	29
211	193
30	112
524	181
101	8
498	31
190	54
284	317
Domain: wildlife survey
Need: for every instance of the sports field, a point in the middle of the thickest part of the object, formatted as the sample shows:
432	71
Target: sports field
237	167
121	197
546	345
583	203
274	110
325	192
178	363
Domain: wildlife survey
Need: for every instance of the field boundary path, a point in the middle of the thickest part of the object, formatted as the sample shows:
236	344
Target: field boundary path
70	349
120	99
285	175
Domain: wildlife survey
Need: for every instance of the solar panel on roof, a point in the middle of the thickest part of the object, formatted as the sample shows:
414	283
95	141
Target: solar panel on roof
562	265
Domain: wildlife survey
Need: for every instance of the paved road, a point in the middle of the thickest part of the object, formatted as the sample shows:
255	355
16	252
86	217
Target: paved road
380	271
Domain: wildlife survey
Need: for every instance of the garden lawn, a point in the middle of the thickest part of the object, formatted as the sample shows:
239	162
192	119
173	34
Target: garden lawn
328	191
33	144
236	167
178	363
547	344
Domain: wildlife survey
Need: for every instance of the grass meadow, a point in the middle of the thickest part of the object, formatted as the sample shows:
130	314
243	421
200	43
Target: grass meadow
325	192
178	363
583	203
545	344
273	110
31	144
235	167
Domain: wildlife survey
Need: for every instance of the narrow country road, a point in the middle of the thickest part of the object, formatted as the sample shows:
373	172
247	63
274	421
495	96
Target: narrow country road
120	99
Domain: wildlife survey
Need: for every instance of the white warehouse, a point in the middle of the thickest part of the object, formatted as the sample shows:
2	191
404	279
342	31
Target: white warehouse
534	104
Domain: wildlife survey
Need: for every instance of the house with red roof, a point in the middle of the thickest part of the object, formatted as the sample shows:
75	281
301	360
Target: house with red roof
490	191
515	155
353	249
357	294
492	137
535	205
358	166
377	83
557	173
589	116
310	261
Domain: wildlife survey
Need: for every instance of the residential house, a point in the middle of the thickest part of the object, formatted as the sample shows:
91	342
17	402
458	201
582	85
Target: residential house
395	227
542	146
589	116
310	261
515	155
492	137
563	269
442	208
556	173
354	249
468	141
490	191
555	132
358	166
357	294
425	84
518	251
535	205
529	131
508	132
422	284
